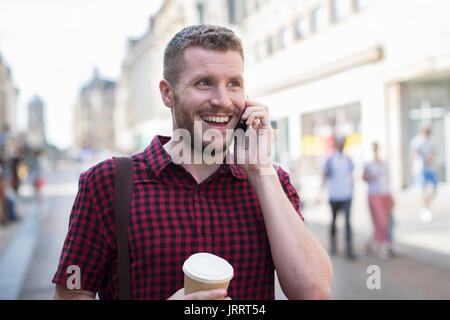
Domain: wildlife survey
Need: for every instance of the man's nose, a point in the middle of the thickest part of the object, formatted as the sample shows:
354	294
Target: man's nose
220	97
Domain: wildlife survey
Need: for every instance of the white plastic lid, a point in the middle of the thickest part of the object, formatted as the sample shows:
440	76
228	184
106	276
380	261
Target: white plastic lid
207	267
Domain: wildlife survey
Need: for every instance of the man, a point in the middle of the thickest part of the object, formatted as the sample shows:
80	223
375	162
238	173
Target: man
423	154
247	213
338	175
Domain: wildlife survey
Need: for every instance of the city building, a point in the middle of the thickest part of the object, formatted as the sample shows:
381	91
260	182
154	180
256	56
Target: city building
8	109
372	70
94	115
36	124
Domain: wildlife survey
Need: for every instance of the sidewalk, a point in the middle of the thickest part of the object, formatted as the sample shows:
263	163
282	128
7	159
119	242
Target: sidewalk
8	231
428	241
17	242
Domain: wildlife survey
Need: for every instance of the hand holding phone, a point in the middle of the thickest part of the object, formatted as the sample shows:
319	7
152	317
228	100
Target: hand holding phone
241	123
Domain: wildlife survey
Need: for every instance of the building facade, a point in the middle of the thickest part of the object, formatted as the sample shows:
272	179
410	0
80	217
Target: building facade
94	115
372	70
8	109
36	137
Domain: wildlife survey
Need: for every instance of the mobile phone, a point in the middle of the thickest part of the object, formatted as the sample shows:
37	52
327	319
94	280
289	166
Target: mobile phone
241	123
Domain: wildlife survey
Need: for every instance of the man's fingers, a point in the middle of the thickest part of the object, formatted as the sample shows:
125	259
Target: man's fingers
255	115
250	110
207	295
256	112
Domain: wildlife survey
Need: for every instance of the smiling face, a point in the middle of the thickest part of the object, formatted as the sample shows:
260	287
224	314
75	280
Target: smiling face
210	90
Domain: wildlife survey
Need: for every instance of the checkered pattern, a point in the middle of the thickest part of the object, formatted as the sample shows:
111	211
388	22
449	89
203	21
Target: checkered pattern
171	218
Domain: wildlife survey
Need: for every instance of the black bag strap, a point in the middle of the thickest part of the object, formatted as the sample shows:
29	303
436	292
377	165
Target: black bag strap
123	191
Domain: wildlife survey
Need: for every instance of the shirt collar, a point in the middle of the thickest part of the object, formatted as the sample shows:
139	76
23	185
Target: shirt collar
156	156
158	159
236	171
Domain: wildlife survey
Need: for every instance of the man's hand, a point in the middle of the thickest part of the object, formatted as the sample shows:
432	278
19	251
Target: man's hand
254	155
63	293
215	294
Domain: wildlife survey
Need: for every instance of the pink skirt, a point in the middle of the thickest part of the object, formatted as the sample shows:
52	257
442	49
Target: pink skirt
381	206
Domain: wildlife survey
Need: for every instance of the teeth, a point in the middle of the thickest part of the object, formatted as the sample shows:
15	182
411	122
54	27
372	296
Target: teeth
216	119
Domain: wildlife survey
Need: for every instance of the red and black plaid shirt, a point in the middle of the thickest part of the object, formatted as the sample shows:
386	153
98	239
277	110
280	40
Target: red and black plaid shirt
171	218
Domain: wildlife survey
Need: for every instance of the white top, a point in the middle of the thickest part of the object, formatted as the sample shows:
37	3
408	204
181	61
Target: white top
338	169
379	177
207	267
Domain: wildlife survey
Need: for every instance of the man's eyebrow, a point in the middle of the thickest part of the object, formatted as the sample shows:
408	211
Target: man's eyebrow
238	77
201	76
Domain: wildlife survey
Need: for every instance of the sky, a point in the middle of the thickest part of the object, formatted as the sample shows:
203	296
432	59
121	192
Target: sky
53	46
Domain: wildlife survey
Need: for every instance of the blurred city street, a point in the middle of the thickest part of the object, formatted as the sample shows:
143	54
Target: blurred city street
28	260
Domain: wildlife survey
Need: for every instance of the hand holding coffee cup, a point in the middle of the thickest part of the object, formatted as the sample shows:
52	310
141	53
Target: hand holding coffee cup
206	271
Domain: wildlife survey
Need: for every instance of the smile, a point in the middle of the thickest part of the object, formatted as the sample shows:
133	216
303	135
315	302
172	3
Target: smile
215	119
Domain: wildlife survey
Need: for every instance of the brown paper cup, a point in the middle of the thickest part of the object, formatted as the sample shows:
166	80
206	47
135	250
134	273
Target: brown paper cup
205	271
191	285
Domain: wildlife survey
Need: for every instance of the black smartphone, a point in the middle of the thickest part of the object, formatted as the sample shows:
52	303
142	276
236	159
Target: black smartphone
241	123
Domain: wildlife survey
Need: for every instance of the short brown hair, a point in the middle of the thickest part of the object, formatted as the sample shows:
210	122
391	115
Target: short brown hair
203	36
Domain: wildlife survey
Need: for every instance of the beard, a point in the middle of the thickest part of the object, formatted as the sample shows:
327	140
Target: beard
182	119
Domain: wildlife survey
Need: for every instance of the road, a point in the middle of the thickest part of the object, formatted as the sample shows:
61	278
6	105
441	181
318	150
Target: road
403	277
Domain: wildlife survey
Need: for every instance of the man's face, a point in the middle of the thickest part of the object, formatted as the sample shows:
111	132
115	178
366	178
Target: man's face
210	90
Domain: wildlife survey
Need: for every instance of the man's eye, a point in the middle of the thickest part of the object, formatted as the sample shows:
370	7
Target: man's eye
234	84
204	83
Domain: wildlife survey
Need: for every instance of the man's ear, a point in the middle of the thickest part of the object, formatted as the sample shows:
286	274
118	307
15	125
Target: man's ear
167	93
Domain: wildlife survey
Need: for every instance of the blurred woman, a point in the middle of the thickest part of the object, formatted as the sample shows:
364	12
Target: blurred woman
376	174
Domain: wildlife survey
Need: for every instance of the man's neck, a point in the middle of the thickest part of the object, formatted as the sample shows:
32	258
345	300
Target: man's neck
199	171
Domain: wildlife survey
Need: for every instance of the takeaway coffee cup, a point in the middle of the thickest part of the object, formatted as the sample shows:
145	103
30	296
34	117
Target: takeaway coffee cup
206	271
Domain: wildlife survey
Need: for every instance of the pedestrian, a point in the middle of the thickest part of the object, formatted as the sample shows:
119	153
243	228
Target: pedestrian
245	212
35	175
381	203
15	163
422	159
4	216
338	176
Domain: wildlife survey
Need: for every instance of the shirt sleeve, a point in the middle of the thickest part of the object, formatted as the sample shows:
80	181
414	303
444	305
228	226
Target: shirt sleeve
289	189
368	168
85	248
327	167
352	166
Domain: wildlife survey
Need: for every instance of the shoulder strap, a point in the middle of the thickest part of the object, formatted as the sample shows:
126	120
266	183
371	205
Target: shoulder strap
123	190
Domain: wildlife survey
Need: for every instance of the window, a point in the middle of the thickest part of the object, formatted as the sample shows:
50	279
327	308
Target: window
232	11
319	19
301	27
260	51
280	139
270	45
285	37
361	4
341	9
237	11
201	12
